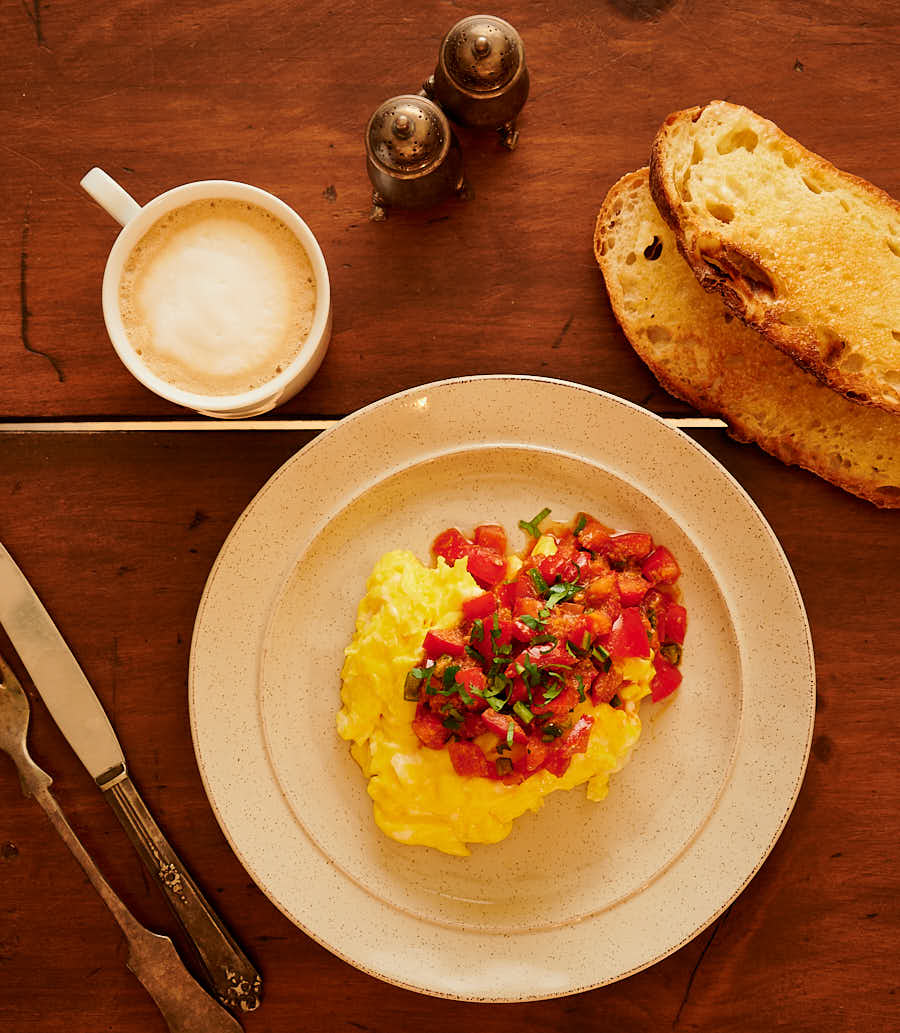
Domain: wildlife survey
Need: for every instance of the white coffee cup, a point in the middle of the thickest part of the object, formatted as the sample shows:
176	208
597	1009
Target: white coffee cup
136	220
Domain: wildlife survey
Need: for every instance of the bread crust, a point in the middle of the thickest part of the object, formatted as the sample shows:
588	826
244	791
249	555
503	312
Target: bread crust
727	370
743	275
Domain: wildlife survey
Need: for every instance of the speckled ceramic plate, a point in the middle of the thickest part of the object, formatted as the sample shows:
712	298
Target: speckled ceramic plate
579	894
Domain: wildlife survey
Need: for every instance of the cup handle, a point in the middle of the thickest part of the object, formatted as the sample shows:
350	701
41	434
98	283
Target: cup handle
109	195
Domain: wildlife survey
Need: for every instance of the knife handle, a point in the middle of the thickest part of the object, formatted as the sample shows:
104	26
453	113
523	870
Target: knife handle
234	980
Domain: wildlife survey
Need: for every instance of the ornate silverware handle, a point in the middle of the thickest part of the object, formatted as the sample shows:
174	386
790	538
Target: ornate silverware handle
235	981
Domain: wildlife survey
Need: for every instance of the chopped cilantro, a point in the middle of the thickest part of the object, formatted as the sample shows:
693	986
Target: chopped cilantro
530	672
532	526
453	719
530	622
600	655
582	523
550	694
523	712
478	630
538	581
472	652
562	591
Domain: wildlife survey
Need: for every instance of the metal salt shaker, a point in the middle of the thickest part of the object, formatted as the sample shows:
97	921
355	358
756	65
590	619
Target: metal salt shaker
412	155
481	79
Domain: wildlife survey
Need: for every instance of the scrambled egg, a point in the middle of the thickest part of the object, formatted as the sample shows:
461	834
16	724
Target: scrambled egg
418	797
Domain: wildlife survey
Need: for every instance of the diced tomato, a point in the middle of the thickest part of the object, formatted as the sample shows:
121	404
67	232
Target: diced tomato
519	690
480	606
491	537
570	608
593	534
429	729
557	763
675	624
522	633
632	587
472	678
536	752
557	568
603	595
560	704
506	594
452	545
600	588
525	587
495	638
655	604
600	623
626	546
568	544
628	636
582	561
558	656
518	757
500	723
575	741
468	759
486	567
661	567
473	725
445	642
527	607
665	681
579	634
605	685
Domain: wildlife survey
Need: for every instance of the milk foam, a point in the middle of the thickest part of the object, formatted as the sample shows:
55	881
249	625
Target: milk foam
217	297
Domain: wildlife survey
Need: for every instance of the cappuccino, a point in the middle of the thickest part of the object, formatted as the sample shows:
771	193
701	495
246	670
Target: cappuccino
217	297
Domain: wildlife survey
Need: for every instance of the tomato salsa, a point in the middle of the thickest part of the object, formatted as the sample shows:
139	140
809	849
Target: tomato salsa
548	633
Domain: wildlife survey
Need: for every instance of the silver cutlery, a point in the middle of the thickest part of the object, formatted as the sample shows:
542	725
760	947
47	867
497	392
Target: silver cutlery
185	1005
81	718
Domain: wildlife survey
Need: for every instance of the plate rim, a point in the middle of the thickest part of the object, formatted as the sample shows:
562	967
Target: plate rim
224	554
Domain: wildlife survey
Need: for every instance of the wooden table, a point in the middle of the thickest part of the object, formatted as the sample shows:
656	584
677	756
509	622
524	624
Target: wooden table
117	517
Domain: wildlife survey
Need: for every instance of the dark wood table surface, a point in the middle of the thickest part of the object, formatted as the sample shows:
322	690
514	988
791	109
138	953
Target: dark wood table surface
117	516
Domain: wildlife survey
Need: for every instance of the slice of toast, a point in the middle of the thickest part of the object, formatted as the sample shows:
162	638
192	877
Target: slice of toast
804	253
701	353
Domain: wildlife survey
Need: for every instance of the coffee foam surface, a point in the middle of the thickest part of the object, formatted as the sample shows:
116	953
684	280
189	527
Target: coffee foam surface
217	297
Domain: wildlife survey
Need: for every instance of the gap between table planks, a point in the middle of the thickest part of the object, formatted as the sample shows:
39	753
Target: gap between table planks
95	426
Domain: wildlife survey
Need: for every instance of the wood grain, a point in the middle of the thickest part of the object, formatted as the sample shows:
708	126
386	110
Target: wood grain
278	94
118	532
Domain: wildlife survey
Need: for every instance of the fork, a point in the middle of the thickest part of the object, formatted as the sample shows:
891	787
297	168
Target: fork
184	1004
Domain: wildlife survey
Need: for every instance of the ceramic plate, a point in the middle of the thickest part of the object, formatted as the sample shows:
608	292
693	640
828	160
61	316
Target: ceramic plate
580	894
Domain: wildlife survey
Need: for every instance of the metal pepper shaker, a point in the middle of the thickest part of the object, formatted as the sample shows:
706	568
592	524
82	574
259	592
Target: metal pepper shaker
481	79
412	155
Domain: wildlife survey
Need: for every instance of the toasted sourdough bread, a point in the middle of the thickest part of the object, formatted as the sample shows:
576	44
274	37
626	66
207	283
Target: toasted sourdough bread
804	253
701	353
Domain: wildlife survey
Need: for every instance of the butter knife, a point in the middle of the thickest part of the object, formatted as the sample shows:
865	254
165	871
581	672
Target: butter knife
82	720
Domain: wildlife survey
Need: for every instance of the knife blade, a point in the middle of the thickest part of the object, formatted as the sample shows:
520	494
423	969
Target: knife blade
81	718
56	675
